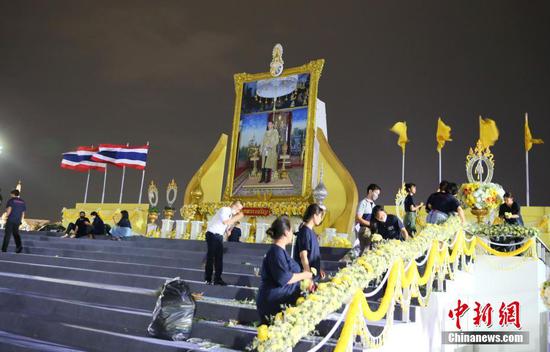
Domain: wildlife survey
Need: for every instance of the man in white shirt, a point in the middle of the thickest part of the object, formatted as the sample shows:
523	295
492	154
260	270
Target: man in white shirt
362	217
224	217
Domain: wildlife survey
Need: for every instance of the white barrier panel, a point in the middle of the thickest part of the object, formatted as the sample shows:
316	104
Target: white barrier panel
196	228
245	231
166	227
181	227
261	228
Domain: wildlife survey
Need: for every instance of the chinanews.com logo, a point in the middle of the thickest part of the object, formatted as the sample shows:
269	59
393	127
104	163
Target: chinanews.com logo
485	317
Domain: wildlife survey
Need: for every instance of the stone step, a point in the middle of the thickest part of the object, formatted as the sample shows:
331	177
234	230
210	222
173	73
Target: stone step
116	279
89	339
246	280
328	253
183	261
18	343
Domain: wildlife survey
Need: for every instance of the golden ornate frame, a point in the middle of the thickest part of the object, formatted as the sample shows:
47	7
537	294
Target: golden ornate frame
314	68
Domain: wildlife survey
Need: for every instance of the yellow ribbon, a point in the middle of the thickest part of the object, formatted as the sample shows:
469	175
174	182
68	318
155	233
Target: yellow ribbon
520	250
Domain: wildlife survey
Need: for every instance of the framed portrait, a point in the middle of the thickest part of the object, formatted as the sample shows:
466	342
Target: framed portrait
273	135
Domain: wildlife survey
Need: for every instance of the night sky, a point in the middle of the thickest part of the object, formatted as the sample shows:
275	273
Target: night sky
89	72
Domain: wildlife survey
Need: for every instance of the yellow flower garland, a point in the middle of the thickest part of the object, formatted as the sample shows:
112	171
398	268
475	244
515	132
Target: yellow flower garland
295	322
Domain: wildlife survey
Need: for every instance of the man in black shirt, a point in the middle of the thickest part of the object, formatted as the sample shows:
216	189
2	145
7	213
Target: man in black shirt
388	226
15	210
81	227
509	210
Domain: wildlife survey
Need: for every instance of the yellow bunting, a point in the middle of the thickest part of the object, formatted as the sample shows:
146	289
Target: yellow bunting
488	132
520	250
400	128
529	140
443	134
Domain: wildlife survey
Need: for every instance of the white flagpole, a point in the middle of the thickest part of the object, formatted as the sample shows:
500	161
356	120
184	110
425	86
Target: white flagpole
104	183
439	152
122	184
403	170
527	176
87	183
527	169
142	180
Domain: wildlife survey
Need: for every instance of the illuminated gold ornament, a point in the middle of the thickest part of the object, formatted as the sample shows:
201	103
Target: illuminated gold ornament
153	195
277	63
171	193
480	161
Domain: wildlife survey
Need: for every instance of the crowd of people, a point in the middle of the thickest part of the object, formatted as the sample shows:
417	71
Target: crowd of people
83	227
282	272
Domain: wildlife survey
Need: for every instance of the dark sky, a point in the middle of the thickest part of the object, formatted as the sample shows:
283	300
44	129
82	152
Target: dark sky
88	72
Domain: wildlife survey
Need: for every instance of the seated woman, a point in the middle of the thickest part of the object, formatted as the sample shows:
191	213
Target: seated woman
387	226
98	226
411	209
306	249
509	211
280	273
444	204
123	228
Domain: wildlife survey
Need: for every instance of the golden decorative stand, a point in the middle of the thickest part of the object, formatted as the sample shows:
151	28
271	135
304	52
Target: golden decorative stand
480	214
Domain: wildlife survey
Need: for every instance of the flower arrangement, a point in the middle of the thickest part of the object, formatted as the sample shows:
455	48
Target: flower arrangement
339	242
294	322
478	195
504	230
545	293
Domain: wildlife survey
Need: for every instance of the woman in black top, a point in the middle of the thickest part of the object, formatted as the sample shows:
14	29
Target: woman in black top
98	226
445	204
123	227
411	209
281	275
307	251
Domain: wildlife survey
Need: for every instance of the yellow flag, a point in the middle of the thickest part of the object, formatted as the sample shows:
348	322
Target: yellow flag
529	140
400	128
443	134
488	132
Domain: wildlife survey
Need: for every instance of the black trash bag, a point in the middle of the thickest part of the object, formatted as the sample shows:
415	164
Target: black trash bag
174	312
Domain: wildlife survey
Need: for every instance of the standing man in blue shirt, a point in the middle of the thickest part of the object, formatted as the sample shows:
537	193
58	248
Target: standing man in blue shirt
15	210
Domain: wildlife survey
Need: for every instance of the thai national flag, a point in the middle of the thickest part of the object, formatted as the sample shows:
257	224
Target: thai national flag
81	160
121	155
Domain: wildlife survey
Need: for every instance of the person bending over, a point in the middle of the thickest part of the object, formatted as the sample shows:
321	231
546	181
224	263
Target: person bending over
387	225
509	211
280	274
224	217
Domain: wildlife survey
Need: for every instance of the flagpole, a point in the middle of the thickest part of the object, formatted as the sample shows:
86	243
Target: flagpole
403	170
527	169
104	183
122	184
87	183
142	180
439	152
527	176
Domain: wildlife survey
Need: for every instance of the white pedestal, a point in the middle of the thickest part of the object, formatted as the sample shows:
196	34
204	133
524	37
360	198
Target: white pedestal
151	228
166	228
196	228
181	226
245	231
261	228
